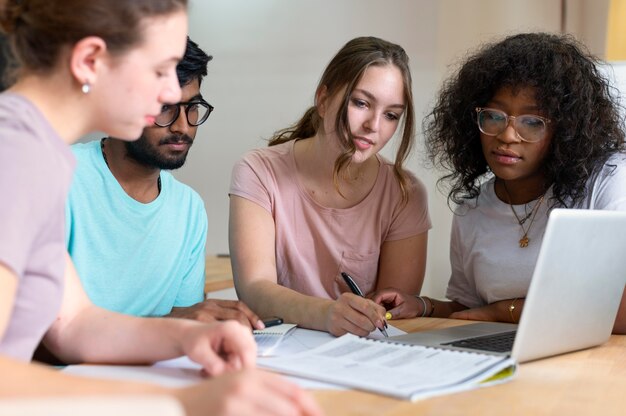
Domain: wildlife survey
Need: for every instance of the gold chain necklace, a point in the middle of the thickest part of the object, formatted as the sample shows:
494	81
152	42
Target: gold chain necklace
524	241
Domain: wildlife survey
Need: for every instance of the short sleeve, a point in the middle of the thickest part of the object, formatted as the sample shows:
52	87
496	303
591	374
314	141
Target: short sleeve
461	287
192	285
411	218
248	180
609	189
20	213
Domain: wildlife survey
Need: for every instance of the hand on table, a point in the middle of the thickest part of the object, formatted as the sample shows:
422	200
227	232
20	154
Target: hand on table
248	392
219	347
212	310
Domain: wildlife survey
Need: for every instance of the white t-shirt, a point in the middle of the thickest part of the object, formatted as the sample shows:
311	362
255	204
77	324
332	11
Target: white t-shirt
487	262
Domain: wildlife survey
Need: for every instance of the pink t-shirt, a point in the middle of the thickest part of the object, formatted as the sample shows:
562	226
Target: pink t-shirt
35	173
314	244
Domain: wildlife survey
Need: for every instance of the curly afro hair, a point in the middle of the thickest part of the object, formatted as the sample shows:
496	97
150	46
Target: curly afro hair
570	90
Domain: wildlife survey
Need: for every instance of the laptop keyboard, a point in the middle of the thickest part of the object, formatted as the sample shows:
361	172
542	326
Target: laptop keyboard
501	342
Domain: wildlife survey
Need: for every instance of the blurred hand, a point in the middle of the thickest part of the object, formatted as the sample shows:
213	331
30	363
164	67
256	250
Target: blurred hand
212	310
219	347
247	392
398	303
354	314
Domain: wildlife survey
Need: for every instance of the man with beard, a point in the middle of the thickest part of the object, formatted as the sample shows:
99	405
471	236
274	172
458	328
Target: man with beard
137	236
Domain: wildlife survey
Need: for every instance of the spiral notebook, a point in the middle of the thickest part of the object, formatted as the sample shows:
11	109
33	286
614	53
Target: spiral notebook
409	372
268	339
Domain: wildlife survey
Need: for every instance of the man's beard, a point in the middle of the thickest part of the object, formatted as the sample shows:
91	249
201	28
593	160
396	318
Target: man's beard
145	153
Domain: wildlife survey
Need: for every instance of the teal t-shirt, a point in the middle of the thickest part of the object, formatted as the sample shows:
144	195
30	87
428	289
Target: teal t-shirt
135	258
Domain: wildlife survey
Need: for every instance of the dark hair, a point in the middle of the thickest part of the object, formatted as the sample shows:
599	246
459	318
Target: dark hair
5	61
40	29
570	90
193	65
345	71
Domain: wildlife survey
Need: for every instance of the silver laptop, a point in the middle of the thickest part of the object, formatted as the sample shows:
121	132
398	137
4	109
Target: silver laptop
573	297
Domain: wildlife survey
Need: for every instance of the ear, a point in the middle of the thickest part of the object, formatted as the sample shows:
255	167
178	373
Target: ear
321	100
86	56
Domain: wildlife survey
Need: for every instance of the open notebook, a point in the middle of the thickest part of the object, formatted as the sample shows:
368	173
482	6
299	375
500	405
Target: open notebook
408	372
268	339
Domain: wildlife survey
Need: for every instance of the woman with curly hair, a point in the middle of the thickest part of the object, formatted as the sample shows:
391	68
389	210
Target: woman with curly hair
528	124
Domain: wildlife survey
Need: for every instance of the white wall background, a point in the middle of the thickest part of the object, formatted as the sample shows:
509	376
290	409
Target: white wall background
269	55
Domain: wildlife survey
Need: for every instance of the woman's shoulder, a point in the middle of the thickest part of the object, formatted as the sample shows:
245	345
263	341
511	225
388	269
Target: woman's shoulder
613	168
485	200
388	171
266	164
617	159
268	154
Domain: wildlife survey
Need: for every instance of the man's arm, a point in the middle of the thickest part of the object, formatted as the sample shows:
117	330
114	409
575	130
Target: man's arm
192	287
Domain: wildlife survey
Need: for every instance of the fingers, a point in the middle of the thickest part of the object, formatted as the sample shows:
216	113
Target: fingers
238	343
212	310
212	364
387	297
399	304
289	398
356	315
374	312
234	309
221	347
250	392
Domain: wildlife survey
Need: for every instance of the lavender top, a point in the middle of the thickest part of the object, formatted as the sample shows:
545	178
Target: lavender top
36	167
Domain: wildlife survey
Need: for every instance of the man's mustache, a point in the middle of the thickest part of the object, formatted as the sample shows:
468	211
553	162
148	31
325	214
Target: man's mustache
177	140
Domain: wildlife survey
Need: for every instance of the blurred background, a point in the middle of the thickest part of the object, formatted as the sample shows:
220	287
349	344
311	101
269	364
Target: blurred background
269	55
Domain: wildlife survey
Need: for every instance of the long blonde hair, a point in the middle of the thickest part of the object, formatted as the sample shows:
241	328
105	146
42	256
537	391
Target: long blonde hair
345	71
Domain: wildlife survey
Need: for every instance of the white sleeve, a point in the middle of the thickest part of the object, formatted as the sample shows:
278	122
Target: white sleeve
608	190
461	286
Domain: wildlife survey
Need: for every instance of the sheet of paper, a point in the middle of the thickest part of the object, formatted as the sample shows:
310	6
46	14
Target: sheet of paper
397	370
180	372
169	375
228	294
301	339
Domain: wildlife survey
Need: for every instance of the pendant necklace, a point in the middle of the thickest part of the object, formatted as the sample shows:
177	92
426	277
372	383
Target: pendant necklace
524	241
104	156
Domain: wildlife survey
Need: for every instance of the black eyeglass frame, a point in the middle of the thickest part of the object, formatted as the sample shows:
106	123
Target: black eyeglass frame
196	101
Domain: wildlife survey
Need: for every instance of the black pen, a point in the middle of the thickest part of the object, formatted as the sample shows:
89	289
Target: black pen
355	289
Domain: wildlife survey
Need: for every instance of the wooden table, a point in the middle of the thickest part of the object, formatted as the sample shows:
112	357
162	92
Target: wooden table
589	382
218	273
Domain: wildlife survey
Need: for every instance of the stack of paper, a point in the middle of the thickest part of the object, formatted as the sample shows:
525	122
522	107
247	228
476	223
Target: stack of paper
398	370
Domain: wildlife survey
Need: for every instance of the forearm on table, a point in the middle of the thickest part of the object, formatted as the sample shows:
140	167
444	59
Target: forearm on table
508	310
99	336
267	298
444	308
28	379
